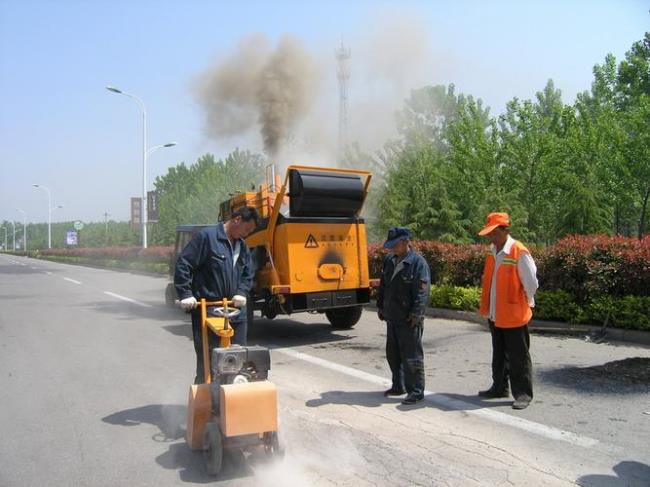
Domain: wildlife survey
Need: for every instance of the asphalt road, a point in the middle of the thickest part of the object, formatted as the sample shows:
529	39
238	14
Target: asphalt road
94	372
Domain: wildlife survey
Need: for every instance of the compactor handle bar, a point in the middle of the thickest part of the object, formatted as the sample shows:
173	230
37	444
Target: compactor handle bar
223	302
223	308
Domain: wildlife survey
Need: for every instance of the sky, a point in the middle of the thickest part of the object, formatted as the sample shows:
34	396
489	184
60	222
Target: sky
60	128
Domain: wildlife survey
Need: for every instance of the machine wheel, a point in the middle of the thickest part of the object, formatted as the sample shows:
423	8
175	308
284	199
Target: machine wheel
344	318
170	295
272	444
212	448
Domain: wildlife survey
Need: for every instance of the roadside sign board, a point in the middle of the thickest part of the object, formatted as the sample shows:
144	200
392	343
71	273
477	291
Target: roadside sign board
152	206
71	238
78	225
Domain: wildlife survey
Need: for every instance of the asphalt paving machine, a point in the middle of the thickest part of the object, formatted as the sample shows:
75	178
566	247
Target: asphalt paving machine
310	249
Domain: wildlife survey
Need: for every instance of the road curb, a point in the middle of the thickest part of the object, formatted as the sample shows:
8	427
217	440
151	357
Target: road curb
544	327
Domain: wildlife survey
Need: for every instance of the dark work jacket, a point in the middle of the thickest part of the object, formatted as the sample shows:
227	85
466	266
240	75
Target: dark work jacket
407	294
204	268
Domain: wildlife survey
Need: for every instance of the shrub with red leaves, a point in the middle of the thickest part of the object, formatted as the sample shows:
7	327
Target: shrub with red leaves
596	265
457	265
586	266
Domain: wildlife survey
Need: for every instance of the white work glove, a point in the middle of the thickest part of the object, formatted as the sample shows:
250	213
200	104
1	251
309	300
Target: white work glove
239	301
189	303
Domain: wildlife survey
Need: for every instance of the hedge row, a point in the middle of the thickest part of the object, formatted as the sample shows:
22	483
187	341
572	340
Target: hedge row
632	312
157	254
584	266
583	279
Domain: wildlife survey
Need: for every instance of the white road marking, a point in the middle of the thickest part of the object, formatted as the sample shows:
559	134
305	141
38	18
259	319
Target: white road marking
124	298
71	280
48	273
451	403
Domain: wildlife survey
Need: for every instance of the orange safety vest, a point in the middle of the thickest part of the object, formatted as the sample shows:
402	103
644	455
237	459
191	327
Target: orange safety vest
512	309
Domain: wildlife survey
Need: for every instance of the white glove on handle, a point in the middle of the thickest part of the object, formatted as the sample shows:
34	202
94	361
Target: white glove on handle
189	303
239	301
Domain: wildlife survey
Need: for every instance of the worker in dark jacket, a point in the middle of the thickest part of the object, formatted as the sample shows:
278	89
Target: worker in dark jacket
401	300
216	264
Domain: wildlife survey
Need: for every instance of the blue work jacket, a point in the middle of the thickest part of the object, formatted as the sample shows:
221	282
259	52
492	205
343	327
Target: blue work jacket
204	268
406	293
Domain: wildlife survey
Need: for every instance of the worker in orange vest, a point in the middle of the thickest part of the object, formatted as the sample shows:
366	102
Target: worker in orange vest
508	295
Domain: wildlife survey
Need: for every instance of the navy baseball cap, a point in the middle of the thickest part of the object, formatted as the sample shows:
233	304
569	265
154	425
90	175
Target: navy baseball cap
396	234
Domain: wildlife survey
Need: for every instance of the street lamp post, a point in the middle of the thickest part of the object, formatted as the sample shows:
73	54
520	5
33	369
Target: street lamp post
49	213
145	154
24	228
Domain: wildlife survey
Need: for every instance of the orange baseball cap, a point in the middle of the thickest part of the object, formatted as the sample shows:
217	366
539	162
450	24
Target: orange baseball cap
495	220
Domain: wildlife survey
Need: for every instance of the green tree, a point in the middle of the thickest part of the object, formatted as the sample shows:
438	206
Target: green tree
529	137
193	194
426	115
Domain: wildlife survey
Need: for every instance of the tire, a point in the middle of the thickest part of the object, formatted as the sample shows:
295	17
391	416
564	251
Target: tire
212	448
170	295
272	446
344	318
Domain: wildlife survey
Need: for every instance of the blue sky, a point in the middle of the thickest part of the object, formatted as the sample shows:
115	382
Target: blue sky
60	128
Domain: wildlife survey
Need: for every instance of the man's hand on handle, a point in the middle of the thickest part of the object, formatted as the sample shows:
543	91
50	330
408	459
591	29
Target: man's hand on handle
189	304
239	301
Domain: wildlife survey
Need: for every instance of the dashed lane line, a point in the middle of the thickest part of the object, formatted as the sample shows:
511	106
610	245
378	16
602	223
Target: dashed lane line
454	404
71	280
124	298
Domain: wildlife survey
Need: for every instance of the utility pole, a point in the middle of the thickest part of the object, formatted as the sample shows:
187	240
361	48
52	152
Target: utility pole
343	74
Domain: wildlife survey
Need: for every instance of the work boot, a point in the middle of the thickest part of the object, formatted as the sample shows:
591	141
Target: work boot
412	398
394	392
521	402
493	393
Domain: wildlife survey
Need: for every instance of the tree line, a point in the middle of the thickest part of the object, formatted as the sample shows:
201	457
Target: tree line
557	168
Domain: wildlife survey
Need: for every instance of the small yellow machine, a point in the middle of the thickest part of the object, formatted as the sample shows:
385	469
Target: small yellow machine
237	406
310	252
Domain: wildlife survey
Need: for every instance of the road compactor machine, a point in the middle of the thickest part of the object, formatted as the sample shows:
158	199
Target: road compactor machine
237	406
310	249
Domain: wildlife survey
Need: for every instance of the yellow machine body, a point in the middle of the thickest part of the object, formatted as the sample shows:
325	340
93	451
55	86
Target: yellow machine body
320	257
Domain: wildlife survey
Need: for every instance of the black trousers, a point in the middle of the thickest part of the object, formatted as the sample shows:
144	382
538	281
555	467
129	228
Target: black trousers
239	338
405	356
511	360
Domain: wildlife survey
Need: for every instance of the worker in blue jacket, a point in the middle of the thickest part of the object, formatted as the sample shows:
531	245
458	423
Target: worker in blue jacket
401	300
216	264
